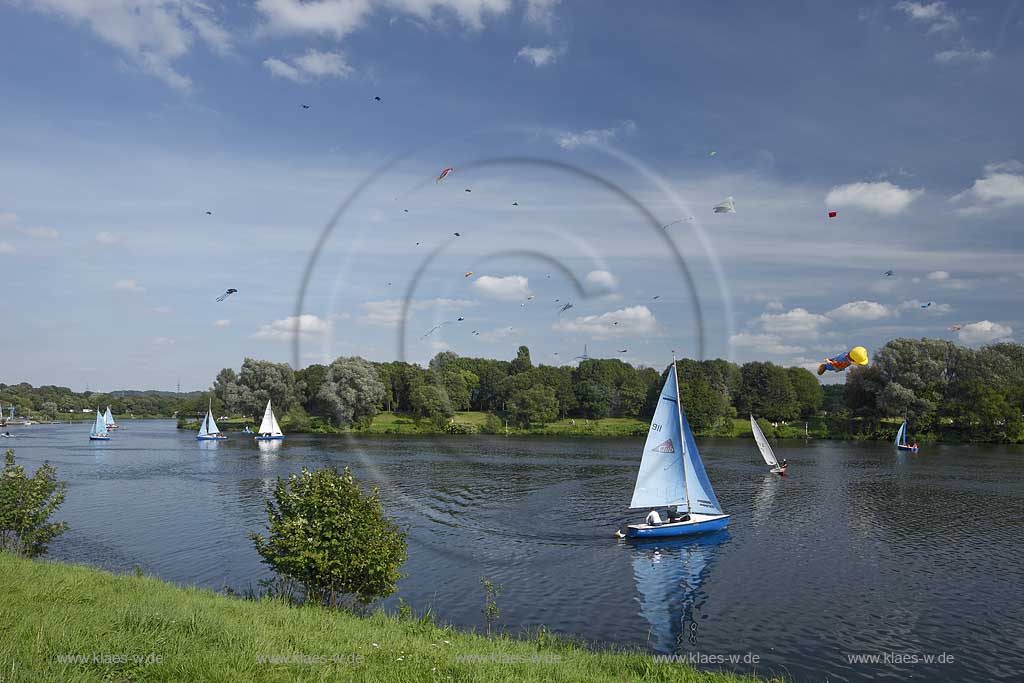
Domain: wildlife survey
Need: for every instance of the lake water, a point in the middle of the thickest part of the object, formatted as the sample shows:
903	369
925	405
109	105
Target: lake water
858	552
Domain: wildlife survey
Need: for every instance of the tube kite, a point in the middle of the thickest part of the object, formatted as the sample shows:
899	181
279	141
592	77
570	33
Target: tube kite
858	355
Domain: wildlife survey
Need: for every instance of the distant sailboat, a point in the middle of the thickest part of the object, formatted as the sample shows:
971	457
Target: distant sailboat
269	429
672	474
901	439
209	431
99	429
108	419
766	449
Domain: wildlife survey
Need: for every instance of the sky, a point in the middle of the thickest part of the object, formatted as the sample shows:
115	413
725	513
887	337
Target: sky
155	153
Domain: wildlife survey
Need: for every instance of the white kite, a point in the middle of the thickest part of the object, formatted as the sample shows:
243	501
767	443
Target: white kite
727	206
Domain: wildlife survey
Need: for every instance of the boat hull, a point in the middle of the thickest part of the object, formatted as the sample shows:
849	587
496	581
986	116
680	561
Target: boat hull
211	438
270	438
911	449
697	524
99	438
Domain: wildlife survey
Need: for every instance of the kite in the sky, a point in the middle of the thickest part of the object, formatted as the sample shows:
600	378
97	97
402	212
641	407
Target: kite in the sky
531	297
469	273
857	355
656	297
515	203
956	328
468	190
565	307
405	210
437	327
417	244
226	294
623	350
889	273
927	305
726	206
833	214
712	153
444	174
209	213
305	106
678	220
457	234
377	98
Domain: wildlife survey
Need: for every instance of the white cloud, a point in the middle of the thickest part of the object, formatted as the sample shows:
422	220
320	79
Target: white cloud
106	238
763	343
162	309
499	333
882	197
310	66
509	288
963	55
935	14
338	18
388	312
774	305
915	304
153	35
222	323
539	56
40	233
594	136
165	341
7	248
309	326
983	332
600	281
541	12
860	310
798	322
129	286
631	321
938	275
1000	187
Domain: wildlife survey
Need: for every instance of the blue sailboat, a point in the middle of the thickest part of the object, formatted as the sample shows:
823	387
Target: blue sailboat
209	431
99	429
901	439
672	475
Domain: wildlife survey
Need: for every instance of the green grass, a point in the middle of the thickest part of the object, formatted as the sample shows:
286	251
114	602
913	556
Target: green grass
50	610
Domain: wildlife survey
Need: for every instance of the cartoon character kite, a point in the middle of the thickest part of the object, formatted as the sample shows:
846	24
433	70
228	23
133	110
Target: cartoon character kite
857	355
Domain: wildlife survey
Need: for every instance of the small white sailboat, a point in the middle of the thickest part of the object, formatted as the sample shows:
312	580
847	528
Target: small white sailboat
269	429
108	419
99	429
209	431
766	449
901	439
672	475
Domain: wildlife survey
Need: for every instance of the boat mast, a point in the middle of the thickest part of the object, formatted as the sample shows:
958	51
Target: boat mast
682	446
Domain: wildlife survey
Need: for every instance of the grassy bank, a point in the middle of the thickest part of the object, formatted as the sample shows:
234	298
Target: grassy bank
52	611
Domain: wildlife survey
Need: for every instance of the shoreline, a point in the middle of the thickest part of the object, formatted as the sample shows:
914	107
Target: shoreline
104	626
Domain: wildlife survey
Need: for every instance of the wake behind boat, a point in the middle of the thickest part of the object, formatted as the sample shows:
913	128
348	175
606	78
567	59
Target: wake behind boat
672	475
269	429
901	439
766	449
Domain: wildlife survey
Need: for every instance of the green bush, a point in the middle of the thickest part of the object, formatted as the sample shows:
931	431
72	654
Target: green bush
492	425
332	540
26	505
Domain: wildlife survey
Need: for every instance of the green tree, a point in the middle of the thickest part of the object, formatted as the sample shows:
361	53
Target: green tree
26	505
260	381
431	401
351	391
533	405
331	539
522	362
807	391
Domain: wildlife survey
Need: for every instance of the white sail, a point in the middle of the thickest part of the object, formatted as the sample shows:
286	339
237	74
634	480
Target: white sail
762	443
901	435
661	479
269	424
108	418
211	425
203	431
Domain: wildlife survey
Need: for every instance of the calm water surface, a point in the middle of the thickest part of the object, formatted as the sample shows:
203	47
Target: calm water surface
859	551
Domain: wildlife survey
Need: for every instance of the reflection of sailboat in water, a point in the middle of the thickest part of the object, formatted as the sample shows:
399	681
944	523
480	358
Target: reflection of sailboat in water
669	575
268	448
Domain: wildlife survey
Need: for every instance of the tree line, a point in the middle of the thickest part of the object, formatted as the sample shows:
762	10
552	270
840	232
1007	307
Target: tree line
50	402
350	391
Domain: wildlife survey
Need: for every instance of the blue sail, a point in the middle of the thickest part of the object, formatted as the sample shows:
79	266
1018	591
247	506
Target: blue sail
660	481
99	428
203	431
698	488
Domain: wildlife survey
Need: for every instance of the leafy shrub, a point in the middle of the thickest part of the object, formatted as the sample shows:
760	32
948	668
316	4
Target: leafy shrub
26	504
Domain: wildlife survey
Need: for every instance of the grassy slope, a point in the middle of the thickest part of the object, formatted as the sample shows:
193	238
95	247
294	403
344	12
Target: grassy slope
51	609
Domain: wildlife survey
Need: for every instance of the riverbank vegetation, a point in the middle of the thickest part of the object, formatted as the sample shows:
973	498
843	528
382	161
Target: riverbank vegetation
53	403
71	623
948	392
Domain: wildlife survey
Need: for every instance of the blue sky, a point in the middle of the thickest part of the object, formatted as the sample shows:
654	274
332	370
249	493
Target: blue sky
123	123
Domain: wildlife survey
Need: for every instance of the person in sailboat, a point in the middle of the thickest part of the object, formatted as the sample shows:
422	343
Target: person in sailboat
784	464
675	516
653	518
